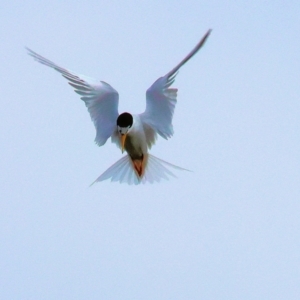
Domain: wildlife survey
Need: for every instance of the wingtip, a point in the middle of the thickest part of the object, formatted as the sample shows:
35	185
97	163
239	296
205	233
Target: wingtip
209	31
29	51
207	34
92	183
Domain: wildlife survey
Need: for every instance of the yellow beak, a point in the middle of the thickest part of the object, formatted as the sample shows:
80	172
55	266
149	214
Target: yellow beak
123	138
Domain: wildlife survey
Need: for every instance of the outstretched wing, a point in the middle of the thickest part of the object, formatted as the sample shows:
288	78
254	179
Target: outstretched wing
161	99
100	98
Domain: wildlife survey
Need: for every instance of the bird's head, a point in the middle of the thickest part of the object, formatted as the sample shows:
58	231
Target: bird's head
124	123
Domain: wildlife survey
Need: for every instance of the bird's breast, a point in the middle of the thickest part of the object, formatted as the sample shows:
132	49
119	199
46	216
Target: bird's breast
134	147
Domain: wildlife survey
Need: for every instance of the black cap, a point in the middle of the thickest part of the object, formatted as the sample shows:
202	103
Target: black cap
125	120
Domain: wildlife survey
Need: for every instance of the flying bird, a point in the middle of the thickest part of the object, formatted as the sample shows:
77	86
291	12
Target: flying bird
133	133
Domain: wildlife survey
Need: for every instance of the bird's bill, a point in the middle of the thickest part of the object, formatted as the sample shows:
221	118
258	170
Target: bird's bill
123	138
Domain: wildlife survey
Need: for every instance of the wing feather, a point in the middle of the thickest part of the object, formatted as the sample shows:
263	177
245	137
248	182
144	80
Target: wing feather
161	99
100	98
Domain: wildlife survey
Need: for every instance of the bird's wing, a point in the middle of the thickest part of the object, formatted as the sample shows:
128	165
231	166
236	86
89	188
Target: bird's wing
100	98
161	99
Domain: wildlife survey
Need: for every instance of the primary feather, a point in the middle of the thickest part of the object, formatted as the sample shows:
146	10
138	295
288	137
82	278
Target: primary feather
100	98
161	99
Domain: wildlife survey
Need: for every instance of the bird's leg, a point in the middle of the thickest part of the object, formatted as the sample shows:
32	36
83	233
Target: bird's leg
139	165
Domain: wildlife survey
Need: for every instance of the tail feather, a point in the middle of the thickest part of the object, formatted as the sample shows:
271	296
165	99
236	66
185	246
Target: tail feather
123	171
118	171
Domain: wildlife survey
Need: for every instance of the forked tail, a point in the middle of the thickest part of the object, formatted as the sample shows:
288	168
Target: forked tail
123	171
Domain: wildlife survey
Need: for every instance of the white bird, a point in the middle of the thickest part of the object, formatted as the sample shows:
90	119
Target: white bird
133	133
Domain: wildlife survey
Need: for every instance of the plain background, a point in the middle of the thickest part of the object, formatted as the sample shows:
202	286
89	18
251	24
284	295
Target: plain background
228	230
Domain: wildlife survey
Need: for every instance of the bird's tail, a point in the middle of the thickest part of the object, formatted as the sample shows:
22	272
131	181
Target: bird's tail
124	171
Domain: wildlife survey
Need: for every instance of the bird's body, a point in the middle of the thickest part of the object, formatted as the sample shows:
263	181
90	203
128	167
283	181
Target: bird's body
136	144
136	140
133	133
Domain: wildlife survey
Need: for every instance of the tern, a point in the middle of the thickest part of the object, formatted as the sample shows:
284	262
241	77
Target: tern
134	133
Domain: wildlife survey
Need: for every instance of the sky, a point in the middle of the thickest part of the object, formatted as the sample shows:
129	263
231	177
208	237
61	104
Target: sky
230	229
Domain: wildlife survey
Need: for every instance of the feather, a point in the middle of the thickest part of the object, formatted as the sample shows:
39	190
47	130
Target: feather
123	171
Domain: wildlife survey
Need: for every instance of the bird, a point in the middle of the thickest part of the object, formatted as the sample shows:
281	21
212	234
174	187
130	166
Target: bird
133	133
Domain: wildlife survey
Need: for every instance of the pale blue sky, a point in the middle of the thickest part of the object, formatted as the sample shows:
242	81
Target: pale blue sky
228	230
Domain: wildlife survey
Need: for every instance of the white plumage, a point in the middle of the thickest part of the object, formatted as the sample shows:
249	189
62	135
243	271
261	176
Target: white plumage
134	133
